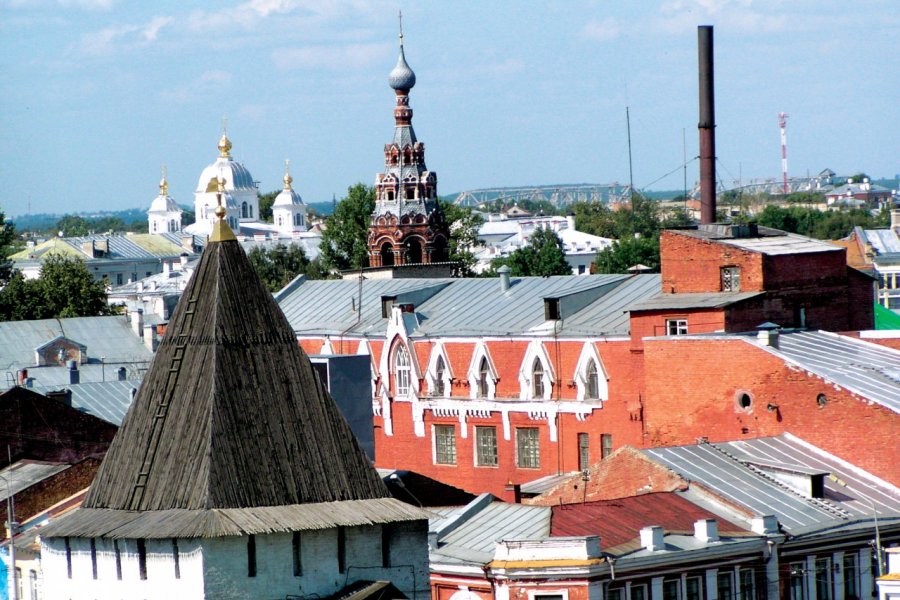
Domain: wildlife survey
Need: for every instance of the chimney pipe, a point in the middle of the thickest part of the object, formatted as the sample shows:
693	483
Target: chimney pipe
74	374
122	374
504	278
137	322
707	126
653	538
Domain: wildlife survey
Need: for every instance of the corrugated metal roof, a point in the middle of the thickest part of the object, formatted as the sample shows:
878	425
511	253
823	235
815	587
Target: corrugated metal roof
870	370
681	301
715	467
461	307
619	521
23	474
786	244
547	482
109	337
108	400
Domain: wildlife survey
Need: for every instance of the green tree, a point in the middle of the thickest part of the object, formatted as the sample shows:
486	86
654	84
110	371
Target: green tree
344	240
541	257
265	205
279	265
65	288
464	225
73	225
628	252
7	247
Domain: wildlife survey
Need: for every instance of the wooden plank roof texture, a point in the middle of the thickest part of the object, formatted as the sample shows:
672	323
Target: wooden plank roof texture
230	414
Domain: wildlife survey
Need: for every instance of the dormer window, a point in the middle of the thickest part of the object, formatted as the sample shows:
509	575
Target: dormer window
537	379
483	375
439	373
402	372
592	382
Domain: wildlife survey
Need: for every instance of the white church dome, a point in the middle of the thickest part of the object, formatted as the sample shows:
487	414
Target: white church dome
287	196
164	202
236	175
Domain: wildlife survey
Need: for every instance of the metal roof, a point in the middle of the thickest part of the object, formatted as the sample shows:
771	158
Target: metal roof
767	241
619	521
698	300
460	307
107	337
23	474
108	400
473	541
869	370
884	241
717	469
545	483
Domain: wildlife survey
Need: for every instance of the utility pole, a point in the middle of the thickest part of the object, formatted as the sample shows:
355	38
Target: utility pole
11	522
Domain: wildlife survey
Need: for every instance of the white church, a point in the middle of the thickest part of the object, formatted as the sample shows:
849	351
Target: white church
234	474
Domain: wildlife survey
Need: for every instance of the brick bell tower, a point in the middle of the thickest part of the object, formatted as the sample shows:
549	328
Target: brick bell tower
408	226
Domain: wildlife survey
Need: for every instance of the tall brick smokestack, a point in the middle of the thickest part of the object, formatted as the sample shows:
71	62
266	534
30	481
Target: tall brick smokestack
707	126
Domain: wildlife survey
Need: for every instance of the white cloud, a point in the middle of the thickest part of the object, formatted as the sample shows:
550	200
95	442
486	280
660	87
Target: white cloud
601	30
88	4
735	15
331	57
107	39
208	83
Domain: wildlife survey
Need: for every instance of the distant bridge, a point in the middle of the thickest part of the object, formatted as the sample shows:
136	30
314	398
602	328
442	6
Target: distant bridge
557	195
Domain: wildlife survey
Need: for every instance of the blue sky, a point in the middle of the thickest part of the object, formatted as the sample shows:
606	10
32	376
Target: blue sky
98	94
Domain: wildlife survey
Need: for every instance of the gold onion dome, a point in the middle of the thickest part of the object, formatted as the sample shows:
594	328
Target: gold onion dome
163	187
224	146
288	180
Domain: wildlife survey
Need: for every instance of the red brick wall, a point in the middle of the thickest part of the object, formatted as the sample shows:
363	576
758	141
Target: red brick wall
692	387
692	265
861	299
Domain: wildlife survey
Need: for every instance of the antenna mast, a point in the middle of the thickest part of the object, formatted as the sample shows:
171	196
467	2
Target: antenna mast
782	123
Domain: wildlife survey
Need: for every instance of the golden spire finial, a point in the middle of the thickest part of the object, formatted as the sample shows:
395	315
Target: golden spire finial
288	180
163	184
224	142
221	231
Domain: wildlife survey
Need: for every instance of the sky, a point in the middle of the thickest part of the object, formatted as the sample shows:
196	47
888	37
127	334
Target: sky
97	95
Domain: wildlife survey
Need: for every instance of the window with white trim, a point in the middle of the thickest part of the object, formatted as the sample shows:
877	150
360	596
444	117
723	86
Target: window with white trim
445	444
485	446
731	279
484	373
402	371
528	448
537	378
439	373
676	326
592	382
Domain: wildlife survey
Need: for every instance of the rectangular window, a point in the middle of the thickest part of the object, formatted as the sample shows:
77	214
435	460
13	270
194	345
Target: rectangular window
676	327
725	585
251	556
528	448
445	444
615	594
119	278
142	558
93	558
584	451
672	589
386	532
68	557
731	279
851	578
486	446
342	549
693	588
748	585
823	579
798	581
606	445
118	554
638	592
176	558
295	554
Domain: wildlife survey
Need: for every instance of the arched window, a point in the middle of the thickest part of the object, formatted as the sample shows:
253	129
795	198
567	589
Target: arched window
173	226
154	226
402	371
298	220
413	252
387	255
483	374
592	382
244	212
439	369
537	378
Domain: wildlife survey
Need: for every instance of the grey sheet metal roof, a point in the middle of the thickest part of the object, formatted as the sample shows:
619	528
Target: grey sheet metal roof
474	540
870	370
856	491
768	241
23	474
548	482
108	400
457	307
684	301
714	467
109	337
884	241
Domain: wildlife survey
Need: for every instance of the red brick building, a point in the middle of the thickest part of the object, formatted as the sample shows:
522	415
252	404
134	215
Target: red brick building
487	383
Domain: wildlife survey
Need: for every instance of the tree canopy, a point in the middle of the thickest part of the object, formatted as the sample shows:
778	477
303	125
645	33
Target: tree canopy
279	265
464	225
65	288
814	223
265	205
541	257
345	238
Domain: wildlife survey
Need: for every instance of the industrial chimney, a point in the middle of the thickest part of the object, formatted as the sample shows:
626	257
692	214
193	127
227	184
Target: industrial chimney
707	126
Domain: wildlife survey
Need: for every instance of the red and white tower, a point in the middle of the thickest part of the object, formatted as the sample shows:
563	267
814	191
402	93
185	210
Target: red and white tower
782	123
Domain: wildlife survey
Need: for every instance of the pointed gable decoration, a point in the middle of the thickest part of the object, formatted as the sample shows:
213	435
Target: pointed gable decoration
230	416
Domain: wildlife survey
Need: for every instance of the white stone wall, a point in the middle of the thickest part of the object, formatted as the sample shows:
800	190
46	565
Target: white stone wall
217	567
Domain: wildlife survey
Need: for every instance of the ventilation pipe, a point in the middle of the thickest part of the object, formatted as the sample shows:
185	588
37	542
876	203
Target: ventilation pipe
504	278
137	322
707	126
122	373
74	374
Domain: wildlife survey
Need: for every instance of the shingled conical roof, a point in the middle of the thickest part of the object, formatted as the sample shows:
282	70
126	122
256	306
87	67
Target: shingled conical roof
231	414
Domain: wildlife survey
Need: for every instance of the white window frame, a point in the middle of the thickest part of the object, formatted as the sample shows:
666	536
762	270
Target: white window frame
402	372
477	443
680	326
474	374
730	278
589	354
431	373
536	351
434	444
519	457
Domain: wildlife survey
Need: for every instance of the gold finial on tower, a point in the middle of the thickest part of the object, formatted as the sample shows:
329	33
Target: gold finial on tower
224	142
221	231
288	180
163	184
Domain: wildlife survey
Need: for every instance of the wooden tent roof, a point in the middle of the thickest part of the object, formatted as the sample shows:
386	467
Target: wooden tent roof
229	416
